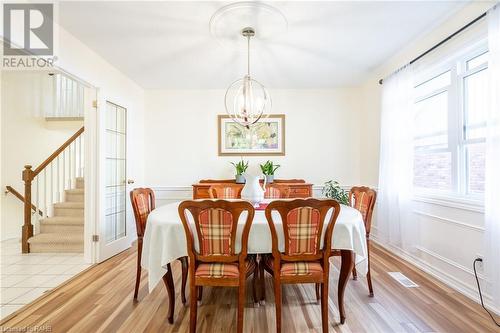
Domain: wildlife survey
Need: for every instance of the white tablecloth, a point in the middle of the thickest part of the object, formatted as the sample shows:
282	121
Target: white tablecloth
165	240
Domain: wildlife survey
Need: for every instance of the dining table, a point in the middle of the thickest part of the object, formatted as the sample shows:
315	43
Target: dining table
165	241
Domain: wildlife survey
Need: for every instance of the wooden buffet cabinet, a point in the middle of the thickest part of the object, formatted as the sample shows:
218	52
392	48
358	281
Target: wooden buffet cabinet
298	187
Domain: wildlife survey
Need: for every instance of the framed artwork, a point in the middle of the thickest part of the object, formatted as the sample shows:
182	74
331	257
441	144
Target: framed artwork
265	138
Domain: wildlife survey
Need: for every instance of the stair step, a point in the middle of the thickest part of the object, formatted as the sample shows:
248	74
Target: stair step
74	195
80	183
56	242
69	208
62	224
69	205
61	228
63	220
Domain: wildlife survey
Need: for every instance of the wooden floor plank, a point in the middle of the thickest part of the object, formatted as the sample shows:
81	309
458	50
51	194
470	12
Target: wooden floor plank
101	300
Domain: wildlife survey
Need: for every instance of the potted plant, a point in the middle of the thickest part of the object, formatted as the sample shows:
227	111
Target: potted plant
268	169
240	167
333	190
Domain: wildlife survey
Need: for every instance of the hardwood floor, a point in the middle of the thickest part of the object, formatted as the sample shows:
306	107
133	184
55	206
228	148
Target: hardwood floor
100	300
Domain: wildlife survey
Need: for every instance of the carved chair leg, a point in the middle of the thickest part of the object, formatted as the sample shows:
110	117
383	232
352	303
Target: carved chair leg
193	306
241	304
368	275
369	279
184	264
262	283
277	297
255	284
200	293
318	286
324	306
138	274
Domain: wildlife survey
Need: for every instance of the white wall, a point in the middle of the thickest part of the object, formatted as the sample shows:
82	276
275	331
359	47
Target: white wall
322	136
450	233
27	138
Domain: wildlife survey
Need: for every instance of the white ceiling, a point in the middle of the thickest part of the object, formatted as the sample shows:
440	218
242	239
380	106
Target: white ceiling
328	44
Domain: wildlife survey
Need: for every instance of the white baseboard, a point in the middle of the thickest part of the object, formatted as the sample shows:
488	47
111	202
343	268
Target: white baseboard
448	279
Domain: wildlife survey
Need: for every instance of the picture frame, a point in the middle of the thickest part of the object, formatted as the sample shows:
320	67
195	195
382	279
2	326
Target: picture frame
265	138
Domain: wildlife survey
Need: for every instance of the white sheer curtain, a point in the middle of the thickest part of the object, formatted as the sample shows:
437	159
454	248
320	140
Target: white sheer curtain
492	172
395	224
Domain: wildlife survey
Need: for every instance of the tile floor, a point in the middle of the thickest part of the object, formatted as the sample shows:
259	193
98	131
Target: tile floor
25	277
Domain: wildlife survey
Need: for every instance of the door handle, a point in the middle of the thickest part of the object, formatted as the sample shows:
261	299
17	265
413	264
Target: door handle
130	181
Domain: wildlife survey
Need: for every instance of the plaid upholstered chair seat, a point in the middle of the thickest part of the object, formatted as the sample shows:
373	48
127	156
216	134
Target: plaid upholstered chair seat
302	268
223	270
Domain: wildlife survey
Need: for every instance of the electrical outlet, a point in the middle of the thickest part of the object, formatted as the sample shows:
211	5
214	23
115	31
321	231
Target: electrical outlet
479	264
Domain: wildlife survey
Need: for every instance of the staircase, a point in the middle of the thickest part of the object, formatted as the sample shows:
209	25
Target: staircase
62	232
54	200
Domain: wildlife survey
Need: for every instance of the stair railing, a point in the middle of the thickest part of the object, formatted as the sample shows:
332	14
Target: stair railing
10	189
47	183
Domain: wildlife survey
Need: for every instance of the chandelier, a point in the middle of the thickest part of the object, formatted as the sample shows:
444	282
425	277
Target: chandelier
246	99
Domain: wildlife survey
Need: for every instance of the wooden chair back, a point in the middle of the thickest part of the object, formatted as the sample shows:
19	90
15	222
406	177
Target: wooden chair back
303	221
225	191
363	199
143	202
277	192
216	224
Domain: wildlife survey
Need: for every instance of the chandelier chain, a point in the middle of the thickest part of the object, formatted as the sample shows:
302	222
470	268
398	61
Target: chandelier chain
248	55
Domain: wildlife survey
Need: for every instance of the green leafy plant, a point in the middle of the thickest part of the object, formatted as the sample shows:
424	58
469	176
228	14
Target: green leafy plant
240	167
269	168
333	190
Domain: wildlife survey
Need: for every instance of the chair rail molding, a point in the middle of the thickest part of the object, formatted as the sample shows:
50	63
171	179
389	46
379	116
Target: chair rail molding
450	221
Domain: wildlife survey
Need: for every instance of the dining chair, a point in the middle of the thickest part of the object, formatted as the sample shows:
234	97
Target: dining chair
224	191
214	261
303	260
277	192
363	199
143	203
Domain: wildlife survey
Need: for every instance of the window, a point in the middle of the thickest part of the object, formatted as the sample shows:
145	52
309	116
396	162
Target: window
450	125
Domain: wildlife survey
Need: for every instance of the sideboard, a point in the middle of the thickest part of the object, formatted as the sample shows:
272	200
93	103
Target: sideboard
298	187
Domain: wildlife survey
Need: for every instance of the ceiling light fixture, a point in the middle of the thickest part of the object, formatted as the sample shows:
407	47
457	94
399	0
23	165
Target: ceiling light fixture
246	99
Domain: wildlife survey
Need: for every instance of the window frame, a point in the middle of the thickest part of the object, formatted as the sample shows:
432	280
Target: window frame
456	64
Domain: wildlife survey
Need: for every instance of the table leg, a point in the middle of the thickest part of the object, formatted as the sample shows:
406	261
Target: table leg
169	283
347	259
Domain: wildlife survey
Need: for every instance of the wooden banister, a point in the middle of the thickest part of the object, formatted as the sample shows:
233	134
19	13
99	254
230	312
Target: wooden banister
18	195
27	230
57	152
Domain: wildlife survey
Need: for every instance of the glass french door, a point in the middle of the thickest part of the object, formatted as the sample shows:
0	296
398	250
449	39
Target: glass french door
115	231
116	167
